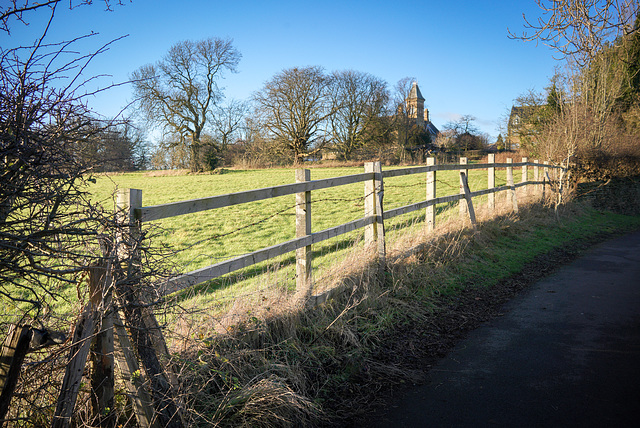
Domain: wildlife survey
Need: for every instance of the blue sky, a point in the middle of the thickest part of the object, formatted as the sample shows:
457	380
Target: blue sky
458	51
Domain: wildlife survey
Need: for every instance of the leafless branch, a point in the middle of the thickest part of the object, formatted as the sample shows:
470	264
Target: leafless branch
580	28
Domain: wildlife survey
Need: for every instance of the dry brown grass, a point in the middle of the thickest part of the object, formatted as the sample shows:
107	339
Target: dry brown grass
266	361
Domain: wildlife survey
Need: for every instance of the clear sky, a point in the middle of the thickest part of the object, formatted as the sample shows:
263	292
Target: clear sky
458	51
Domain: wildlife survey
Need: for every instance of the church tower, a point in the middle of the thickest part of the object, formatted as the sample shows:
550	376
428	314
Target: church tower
415	106
418	114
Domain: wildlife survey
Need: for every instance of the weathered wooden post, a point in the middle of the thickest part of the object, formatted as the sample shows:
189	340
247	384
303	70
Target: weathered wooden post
430	215
373	206
463	202
512	187
525	175
467	196
130	371
536	176
12	354
78	353
303	228
145	331
102	371
491	182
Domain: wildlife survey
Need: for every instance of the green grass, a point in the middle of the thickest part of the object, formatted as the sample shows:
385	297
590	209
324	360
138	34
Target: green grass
196	240
249	227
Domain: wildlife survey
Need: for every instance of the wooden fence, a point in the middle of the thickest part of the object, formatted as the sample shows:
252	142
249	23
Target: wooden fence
100	332
372	220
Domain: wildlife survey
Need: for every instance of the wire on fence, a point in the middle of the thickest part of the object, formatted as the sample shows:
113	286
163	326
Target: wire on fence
256	223
404	186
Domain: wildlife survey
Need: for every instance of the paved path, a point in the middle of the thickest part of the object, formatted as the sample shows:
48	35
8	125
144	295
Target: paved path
564	354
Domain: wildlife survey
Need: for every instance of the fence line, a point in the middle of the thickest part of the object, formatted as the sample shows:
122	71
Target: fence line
130	200
155	400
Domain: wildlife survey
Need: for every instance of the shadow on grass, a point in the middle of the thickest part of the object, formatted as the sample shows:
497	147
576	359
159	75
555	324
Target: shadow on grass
259	269
327	247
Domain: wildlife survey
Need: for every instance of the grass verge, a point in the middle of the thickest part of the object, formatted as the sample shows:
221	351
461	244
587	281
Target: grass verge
287	366
262	361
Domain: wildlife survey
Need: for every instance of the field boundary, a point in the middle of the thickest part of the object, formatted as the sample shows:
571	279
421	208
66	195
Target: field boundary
130	201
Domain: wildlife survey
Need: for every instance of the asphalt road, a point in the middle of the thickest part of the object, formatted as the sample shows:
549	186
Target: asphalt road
566	353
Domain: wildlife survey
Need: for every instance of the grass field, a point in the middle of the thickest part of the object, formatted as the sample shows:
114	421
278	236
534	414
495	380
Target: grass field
195	238
249	227
260	365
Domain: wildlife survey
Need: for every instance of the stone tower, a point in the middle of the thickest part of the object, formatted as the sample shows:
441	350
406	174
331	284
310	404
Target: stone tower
415	106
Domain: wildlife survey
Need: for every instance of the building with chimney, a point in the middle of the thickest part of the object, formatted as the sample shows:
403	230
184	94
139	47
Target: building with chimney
416	111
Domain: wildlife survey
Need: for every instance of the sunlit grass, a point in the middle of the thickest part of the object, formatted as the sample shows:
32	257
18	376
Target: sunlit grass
207	237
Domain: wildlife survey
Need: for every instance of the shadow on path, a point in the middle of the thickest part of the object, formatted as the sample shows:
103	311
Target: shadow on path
565	353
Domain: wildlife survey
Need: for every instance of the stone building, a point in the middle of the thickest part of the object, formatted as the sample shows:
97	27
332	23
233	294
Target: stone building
416	111
521	126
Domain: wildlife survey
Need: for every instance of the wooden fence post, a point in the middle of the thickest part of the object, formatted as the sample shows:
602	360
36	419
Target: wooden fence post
102	371
373	206
468	198
78	353
430	215
491	182
369	206
128	200
463	202
525	175
303	228
536	176
143	326
130	371
512	187
12	354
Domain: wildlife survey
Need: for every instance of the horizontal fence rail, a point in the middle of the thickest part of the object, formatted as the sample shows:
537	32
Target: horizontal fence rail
157	212
130	200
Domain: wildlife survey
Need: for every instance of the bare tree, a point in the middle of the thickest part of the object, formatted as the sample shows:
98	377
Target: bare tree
464	125
227	121
168	153
180	91
581	28
16	9
117	147
44	213
294	107
464	134
600	40
52	233
363	99
402	90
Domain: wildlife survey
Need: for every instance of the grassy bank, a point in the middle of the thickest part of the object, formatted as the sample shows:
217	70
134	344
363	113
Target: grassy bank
282	366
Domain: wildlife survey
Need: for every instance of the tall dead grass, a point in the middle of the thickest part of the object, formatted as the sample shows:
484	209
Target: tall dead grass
270	362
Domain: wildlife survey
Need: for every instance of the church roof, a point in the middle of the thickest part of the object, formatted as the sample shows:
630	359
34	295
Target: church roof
415	92
431	128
